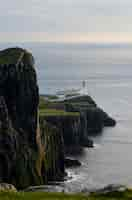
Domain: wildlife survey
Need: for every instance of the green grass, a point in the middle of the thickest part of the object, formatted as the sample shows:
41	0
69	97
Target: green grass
10	56
39	196
127	195
47	108
44	103
55	112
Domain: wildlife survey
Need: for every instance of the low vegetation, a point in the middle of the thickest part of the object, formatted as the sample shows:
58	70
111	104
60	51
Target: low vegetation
55	112
10	56
127	195
48	108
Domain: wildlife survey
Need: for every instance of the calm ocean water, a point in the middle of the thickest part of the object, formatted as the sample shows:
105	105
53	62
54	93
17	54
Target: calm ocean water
107	71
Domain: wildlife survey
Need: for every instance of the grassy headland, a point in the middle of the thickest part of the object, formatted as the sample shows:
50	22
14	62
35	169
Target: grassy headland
55	112
48	108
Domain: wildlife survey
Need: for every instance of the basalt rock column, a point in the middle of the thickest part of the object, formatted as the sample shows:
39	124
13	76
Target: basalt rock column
23	154
19	98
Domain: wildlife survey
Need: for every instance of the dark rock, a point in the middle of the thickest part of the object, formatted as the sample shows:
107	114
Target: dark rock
23	146
69	162
18	118
73	131
110	188
73	150
93	118
83	100
53	166
69	126
87	143
108	121
76	129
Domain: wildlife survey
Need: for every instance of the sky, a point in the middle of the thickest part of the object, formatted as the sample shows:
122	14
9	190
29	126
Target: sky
101	21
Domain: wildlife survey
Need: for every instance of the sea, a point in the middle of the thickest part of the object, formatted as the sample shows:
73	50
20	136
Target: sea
107	72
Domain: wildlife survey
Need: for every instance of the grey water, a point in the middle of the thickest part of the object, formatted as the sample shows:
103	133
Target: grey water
107	70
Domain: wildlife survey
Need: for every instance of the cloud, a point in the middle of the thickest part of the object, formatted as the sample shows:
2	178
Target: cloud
100	37
61	17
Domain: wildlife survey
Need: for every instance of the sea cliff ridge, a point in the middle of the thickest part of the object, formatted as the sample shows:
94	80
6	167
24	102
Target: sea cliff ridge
35	133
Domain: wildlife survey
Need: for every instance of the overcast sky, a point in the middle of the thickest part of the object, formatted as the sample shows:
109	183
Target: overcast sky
66	20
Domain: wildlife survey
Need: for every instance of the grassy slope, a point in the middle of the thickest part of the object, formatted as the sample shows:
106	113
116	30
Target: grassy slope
47	108
55	112
60	196
10	56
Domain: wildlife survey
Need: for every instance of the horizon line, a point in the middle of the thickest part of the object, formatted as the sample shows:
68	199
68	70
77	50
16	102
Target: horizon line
63	42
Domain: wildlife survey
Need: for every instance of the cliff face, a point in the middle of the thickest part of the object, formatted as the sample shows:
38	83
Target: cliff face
69	126
32	146
93	118
73	131
76	129
22	149
18	104
53	163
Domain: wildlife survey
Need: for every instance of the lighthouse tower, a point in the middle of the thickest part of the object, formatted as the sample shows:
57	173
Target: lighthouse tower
84	88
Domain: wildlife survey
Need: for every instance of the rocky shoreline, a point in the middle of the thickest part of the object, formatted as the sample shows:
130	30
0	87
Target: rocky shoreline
60	189
36	134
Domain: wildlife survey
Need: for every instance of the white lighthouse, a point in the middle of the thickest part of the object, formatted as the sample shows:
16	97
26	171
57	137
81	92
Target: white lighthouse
84	88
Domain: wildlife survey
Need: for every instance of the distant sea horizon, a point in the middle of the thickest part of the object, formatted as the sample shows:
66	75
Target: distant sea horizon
95	44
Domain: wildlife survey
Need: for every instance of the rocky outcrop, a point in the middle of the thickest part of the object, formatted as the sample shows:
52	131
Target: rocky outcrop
19	151
93	118
70	162
72	130
77	128
109	189
4	187
25	150
69	127
53	163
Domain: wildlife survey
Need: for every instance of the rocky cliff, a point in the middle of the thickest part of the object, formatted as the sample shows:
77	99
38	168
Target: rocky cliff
93	118
72	130
53	163
32	143
24	148
77	118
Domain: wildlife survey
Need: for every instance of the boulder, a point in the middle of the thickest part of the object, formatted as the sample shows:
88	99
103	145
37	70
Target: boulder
70	162
4	187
